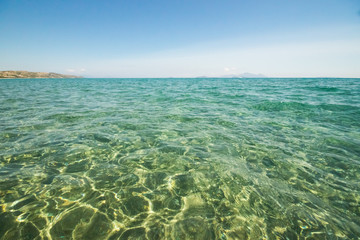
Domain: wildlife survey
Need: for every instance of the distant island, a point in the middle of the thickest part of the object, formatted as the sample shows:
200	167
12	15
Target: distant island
26	74
242	75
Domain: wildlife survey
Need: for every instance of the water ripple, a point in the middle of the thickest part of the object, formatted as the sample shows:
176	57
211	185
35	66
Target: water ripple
179	159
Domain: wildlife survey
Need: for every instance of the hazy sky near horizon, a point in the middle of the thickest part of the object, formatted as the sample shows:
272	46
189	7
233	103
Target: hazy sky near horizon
182	38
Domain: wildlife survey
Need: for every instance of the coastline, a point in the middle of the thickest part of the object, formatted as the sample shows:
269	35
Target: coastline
27	74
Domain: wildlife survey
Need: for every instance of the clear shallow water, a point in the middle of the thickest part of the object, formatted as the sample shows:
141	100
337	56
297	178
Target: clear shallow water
180	158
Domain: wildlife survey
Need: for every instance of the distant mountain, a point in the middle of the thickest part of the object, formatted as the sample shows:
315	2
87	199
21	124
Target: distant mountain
242	75
26	74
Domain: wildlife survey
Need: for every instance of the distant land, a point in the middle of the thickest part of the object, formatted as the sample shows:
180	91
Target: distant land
26	74
242	75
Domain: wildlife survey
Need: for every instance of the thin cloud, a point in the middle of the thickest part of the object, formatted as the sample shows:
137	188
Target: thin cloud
71	70
228	69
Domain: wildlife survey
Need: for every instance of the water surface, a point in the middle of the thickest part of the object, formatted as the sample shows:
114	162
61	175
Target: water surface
179	159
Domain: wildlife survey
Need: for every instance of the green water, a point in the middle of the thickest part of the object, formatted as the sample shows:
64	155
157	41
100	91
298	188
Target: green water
180	159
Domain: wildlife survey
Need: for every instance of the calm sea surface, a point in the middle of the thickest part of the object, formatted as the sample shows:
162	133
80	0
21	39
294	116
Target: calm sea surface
179	159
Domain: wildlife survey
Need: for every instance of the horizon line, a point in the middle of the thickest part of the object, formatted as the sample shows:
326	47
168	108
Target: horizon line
82	77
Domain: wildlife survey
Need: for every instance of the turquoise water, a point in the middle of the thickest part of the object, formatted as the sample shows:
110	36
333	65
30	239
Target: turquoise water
180	159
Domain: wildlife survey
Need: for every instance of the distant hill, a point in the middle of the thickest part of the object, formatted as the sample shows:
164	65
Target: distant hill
26	74
242	75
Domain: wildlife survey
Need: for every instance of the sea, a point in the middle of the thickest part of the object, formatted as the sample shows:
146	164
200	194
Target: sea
171	158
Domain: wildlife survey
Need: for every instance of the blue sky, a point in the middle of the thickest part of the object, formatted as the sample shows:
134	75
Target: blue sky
173	38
